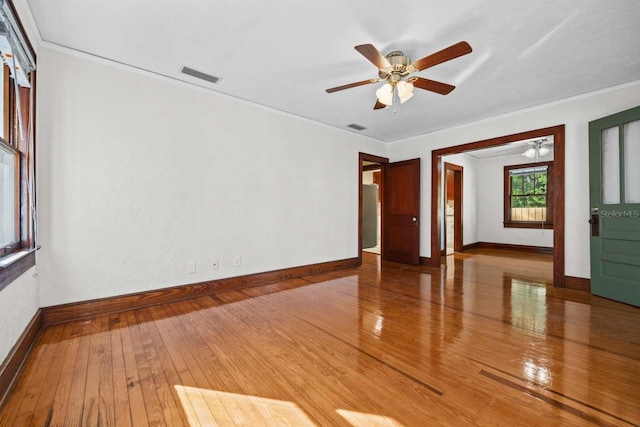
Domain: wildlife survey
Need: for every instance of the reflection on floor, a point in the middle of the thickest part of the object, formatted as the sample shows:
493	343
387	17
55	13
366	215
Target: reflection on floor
449	230
485	341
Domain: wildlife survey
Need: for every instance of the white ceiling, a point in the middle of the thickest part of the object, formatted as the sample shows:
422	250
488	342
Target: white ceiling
284	54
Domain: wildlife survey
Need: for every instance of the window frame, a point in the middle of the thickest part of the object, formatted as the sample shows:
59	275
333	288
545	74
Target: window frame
17	257
508	222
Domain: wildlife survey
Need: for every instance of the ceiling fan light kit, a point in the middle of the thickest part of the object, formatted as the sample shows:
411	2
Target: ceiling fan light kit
395	68
405	91
536	149
385	94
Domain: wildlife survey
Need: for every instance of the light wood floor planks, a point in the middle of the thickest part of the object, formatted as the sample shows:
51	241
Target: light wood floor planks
485	342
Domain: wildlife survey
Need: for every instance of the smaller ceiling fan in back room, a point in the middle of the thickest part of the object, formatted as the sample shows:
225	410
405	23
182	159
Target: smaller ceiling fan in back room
395	69
537	148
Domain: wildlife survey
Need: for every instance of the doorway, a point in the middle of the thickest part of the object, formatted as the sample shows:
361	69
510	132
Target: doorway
400	208
372	208
437	197
370	164
453	208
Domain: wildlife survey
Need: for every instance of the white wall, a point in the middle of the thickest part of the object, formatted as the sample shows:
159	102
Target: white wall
491	209
140	175
18	301
575	113
18	305
470	190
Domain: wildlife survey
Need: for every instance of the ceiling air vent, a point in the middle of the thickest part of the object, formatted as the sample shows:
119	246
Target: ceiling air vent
200	75
356	127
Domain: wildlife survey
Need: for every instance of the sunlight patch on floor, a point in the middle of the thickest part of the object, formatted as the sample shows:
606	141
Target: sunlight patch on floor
218	408
361	419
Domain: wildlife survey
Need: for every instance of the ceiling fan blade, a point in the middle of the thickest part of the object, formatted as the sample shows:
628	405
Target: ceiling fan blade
444	55
432	85
350	85
373	55
379	105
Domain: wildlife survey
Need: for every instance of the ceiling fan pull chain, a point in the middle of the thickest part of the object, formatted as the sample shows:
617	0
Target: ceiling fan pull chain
396	98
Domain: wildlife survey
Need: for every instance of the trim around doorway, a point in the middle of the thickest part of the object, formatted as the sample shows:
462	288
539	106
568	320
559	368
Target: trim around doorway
558	191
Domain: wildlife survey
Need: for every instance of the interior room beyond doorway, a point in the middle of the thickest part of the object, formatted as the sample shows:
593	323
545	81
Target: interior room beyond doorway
371	208
491	214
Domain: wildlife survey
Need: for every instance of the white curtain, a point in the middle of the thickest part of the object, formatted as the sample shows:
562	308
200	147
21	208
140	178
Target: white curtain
611	166
632	162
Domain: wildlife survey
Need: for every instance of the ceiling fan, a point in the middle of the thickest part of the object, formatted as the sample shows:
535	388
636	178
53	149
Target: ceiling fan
395	69
537	148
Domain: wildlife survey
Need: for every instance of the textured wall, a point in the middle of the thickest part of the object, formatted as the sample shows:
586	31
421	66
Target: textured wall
140	176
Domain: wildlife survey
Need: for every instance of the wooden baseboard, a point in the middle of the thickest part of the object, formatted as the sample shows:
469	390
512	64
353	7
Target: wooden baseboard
86	309
470	246
578	283
12	364
425	260
510	247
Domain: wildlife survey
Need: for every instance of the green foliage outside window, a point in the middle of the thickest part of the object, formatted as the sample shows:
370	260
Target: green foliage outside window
529	190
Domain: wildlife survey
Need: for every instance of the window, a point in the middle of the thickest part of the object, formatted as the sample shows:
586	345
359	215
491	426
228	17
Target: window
528	195
17	202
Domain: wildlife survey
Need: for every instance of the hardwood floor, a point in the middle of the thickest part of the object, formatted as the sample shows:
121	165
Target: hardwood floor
483	342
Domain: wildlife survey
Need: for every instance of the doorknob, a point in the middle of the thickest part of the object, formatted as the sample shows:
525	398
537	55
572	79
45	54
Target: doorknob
415	219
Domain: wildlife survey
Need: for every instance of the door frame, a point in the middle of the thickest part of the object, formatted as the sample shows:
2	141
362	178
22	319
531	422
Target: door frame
458	186
558	133
383	161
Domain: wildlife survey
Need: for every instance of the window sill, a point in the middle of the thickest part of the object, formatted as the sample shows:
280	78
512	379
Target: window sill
536	225
14	265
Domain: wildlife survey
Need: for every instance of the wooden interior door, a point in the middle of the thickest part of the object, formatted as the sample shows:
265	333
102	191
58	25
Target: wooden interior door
401	220
614	182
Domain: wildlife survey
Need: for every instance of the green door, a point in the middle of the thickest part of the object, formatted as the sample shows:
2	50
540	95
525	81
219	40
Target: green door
614	183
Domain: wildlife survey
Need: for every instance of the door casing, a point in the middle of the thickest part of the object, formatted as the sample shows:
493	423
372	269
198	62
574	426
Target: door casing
558	191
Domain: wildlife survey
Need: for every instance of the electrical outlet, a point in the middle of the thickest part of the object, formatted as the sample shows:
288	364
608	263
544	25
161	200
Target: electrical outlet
236	261
214	264
191	267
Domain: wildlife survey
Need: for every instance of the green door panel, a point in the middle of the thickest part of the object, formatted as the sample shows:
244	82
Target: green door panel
615	228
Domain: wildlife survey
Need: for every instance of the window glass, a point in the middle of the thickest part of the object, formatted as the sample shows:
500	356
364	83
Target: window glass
526	197
611	166
8	196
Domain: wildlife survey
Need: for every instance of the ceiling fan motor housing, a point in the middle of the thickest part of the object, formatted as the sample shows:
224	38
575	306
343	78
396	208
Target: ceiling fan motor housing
399	63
